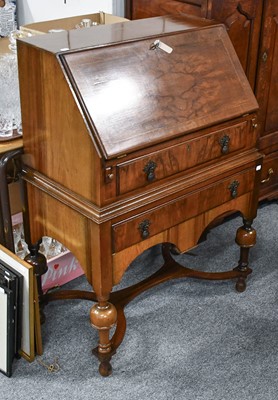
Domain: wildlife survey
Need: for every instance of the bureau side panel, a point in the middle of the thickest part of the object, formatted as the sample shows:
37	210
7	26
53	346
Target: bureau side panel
50	217
56	140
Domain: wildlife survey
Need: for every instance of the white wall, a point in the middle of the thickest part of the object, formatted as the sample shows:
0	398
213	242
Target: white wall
29	11
119	8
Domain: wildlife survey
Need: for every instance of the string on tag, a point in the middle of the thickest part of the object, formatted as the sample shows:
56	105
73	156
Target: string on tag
54	367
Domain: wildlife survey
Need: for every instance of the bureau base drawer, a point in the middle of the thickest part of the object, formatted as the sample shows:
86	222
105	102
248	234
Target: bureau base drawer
184	236
142	226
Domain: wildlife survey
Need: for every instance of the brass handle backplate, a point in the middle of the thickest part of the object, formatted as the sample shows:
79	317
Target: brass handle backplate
233	189
224	143
149	170
144	227
269	174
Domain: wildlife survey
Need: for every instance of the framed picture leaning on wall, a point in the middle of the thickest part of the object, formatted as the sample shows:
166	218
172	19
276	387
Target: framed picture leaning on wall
28	327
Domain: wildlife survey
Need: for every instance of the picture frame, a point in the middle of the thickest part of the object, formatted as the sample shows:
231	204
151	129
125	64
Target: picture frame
6	330
31	329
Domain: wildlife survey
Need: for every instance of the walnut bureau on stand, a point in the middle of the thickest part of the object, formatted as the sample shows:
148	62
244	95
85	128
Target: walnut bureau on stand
136	134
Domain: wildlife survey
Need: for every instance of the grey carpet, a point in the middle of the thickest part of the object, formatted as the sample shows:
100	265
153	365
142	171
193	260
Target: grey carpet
186	339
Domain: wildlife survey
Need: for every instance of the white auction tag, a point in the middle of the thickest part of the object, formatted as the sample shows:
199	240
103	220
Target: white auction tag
157	44
165	47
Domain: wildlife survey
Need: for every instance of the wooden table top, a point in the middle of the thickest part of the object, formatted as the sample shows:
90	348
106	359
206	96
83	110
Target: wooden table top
10	145
4	43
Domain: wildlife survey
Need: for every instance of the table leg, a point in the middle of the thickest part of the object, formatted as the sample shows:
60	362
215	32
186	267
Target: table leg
103	317
6	234
245	238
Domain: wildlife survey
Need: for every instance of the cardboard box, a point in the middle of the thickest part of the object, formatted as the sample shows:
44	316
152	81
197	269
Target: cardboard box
61	269
69	23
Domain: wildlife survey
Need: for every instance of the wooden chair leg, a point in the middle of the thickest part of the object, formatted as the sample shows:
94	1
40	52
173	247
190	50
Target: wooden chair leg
38	261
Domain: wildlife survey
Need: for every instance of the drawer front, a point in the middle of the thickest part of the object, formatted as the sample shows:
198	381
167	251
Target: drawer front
269	182
145	170
145	225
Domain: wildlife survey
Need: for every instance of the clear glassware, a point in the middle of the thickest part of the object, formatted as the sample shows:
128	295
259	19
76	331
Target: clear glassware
6	125
44	247
10	112
51	247
7	15
21	248
86	23
16	34
54	248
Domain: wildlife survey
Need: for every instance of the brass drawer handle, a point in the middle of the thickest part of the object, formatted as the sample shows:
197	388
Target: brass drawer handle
269	174
149	170
144	227
224	143
233	189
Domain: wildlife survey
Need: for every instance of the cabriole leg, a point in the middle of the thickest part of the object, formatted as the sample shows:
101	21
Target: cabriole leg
39	263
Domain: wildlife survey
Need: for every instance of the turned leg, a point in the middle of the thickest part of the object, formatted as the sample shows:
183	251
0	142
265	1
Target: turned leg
103	317
245	238
38	261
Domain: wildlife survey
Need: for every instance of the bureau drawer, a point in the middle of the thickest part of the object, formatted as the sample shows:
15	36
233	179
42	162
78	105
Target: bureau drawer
269	181
140	227
188	154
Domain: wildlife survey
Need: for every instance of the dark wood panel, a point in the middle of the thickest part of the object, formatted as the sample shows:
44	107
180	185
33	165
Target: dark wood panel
269	182
267	82
146	8
272	112
242	20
